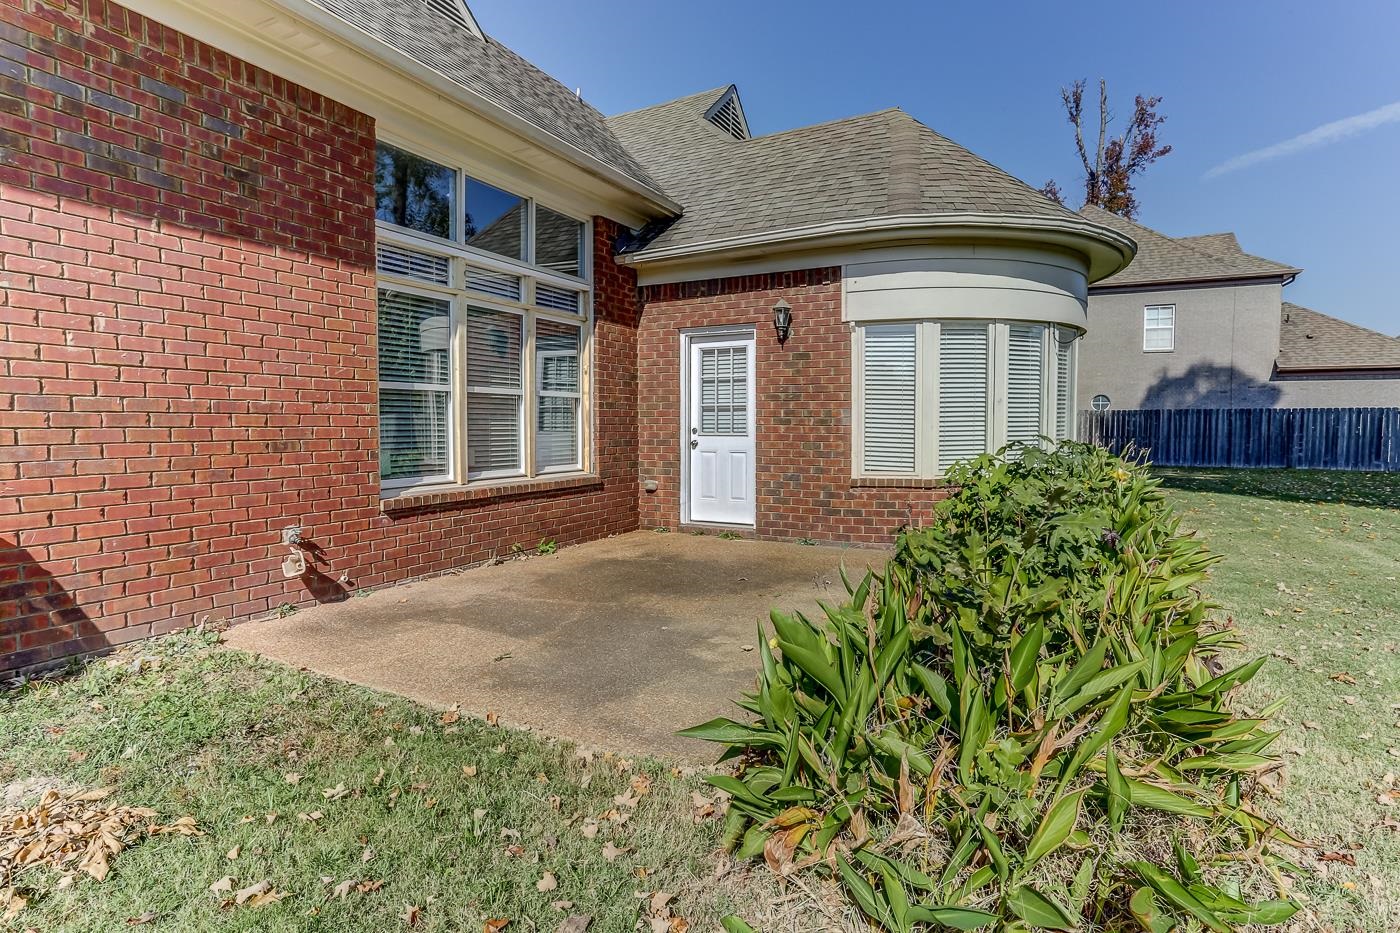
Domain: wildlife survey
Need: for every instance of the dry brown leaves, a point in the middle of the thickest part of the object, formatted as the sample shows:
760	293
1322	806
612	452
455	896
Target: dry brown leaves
73	833
661	916
256	895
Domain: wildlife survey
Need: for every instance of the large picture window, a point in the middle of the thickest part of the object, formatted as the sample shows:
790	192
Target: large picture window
483	342
932	393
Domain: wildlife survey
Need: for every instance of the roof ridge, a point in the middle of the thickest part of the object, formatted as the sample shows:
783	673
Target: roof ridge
985	163
825	123
675	100
905	192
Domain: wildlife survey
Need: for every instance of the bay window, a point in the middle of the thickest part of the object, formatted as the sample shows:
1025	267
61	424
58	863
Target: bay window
483	327
932	393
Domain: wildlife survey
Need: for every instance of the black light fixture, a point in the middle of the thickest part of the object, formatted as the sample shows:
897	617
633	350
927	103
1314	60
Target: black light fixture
782	320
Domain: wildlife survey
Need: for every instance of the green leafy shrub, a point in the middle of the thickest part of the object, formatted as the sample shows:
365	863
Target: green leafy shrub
1021	722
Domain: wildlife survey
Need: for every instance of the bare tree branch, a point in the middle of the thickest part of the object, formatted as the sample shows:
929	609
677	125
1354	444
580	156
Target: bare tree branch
1108	176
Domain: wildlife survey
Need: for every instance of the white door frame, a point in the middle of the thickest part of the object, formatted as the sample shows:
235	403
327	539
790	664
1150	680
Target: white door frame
736	332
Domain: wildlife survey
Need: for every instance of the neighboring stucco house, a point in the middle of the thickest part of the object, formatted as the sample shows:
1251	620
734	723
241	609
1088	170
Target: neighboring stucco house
351	272
1196	322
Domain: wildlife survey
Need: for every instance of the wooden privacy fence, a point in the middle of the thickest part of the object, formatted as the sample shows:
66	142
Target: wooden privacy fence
1301	438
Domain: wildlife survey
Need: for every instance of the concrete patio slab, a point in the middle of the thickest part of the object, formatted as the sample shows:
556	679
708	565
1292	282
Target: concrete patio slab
615	644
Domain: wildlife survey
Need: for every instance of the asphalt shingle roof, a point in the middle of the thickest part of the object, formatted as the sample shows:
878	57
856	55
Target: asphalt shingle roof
877	165
488	68
1162	259
1311	340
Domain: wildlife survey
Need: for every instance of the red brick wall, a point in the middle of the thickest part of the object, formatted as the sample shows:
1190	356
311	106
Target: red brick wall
803	457
187	347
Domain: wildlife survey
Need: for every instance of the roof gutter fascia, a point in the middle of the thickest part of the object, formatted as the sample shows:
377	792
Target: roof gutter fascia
1108	250
358	38
1282	278
1340	372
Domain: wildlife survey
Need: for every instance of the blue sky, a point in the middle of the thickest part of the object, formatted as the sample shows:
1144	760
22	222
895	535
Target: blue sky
1236	78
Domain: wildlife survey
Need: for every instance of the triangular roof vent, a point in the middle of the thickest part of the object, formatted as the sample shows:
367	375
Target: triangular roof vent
728	114
458	12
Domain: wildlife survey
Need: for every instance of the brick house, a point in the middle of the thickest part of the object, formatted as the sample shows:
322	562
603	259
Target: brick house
356	269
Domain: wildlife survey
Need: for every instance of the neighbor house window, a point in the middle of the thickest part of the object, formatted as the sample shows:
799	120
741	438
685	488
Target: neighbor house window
932	393
558	241
1159	327
496	220
483	330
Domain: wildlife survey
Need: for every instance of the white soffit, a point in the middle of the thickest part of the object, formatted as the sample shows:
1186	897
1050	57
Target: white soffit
307	46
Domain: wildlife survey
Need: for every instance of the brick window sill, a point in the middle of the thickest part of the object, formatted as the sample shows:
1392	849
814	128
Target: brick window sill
897	482
478	493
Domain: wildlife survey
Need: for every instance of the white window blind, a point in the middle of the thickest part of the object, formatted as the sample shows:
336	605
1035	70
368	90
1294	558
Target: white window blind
1025	383
724	391
412	264
889	393
1159	327
1064	385
494	392
556	298
493	284
991	384
963	368
558	391
415	387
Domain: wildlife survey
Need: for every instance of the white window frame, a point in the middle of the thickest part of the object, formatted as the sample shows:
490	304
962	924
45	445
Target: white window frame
462	258
1058	338
927	334
518	394
576	395
1148	328
454	401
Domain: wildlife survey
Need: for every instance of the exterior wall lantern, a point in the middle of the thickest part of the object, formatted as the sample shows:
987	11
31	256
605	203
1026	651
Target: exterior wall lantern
782	320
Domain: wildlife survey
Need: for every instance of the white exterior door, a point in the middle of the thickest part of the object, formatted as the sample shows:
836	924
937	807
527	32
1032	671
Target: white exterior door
719	433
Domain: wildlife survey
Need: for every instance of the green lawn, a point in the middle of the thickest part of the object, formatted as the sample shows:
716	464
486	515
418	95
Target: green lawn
1311	578
214	733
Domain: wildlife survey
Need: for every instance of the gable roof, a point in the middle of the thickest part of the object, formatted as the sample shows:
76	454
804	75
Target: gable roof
440	36
1163	260
1311	340
879	165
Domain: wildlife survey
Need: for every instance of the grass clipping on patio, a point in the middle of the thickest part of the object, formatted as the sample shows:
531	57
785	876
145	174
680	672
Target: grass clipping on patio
1021	723
73	833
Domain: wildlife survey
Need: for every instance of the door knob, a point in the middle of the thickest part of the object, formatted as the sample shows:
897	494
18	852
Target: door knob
694	443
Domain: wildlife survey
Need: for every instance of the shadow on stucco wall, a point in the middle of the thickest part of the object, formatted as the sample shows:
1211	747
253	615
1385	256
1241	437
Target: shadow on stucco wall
40	621
1209	385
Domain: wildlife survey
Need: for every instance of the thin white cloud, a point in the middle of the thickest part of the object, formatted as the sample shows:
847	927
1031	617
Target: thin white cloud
1324	135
